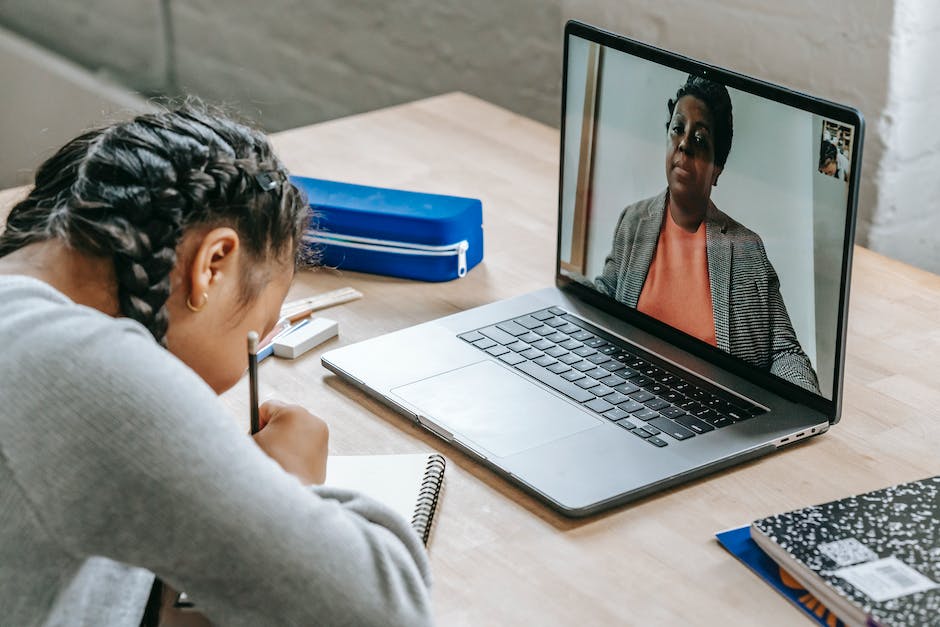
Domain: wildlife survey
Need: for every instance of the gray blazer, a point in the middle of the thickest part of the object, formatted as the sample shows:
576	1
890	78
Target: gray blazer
751	320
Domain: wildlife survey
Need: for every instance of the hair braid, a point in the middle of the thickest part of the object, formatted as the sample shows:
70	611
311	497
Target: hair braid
124	205
130	191
37	217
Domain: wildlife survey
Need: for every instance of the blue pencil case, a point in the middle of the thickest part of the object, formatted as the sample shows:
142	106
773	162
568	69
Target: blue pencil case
428	237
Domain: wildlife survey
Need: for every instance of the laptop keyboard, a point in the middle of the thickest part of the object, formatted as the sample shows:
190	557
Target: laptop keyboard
626	385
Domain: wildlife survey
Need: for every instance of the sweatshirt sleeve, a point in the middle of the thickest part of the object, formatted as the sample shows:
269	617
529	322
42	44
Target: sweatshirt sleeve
127	454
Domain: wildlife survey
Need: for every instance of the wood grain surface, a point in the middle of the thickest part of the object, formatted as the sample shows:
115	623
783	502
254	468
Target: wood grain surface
499	556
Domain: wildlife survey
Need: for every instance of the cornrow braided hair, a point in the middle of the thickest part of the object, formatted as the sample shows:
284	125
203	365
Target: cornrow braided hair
131	190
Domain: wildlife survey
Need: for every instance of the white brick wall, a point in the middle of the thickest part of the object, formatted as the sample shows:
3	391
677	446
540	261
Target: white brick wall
907	223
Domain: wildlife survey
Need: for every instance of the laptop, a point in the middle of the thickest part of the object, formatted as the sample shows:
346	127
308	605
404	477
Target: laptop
698	316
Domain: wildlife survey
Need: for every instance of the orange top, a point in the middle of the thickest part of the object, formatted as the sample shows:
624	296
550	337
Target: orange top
677	290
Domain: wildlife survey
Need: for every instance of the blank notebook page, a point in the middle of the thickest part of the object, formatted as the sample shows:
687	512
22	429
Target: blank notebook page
394	480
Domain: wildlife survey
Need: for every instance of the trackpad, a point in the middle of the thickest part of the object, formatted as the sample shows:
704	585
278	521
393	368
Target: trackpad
494	408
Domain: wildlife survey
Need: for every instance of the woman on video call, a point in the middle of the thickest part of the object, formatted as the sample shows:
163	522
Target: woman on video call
678	258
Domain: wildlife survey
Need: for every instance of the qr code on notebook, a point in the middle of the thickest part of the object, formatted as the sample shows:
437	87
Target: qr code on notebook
847	551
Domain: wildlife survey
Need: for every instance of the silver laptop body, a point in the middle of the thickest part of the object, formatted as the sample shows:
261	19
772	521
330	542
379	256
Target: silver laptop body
501	382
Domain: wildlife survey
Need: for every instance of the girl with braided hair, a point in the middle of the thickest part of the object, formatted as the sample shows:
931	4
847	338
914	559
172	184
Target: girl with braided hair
129	278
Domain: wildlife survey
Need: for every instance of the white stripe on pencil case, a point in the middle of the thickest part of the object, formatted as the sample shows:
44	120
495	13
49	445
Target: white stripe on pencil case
458	249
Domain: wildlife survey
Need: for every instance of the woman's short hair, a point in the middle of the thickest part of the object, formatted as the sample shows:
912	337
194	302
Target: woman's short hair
716	98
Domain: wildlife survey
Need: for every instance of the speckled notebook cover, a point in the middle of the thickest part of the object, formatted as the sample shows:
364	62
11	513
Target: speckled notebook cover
880	550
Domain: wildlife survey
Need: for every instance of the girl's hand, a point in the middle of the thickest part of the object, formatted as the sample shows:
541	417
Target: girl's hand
294	438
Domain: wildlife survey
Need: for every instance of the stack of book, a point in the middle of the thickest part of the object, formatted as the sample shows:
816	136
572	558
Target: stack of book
870	559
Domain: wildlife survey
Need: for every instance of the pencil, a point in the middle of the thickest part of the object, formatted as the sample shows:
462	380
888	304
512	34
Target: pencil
300	315
253	380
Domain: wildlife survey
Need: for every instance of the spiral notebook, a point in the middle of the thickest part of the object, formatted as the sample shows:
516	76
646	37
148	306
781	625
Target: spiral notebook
408	484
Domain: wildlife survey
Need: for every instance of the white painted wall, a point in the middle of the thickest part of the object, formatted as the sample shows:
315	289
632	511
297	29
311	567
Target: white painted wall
907	224
830	196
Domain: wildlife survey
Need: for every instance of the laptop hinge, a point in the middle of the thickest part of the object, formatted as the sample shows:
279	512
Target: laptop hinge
436	429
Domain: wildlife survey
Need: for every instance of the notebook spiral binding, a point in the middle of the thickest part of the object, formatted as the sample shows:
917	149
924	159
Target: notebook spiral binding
427	496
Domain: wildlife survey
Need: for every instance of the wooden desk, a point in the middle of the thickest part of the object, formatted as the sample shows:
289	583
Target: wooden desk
499	556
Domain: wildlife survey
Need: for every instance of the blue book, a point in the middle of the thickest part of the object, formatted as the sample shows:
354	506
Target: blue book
738	542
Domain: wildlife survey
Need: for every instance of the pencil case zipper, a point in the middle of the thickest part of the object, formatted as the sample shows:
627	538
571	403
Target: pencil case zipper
458	249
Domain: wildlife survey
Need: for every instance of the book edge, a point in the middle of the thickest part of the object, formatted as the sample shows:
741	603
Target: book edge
793	602
843	607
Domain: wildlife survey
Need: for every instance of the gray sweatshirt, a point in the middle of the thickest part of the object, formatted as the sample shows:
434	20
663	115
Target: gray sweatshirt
118	461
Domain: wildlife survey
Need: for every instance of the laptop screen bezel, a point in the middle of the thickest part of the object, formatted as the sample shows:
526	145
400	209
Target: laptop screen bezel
832	408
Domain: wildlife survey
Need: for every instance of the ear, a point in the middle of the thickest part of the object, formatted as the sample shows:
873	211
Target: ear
215	259
718	172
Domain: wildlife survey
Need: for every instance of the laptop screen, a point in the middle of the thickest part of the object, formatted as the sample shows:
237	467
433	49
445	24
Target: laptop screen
713	210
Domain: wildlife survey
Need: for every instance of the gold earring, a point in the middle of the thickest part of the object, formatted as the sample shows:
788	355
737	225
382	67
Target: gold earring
193	308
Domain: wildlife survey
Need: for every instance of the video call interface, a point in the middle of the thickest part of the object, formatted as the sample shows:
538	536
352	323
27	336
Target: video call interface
710	209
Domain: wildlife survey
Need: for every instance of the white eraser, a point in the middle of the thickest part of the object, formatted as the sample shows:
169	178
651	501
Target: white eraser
298	342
